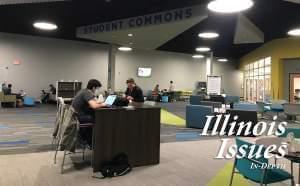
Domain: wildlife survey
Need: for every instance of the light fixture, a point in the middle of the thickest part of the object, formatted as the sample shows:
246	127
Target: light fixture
125	49
130	35
198	56
229	6
223	60
45	26
294	32
202	49
208	35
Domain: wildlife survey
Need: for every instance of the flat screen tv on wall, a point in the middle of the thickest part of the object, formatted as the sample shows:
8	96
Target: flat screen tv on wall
144	72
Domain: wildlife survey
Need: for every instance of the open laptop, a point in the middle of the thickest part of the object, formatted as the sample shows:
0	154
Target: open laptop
110	100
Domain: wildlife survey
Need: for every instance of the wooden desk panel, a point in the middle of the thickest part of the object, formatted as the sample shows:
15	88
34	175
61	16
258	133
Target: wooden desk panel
134	132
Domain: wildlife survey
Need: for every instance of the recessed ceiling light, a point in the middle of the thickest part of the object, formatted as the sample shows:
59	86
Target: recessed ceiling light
222	60
125	49
229	6
130	35
198	56
208	35
202	49
45	26
294	32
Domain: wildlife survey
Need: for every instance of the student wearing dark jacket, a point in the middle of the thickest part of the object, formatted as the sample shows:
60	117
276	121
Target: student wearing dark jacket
133	92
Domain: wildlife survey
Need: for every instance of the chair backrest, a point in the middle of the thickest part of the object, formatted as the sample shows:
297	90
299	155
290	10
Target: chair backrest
291	108
1	96
196	99
69	129
245	106
243	116
217	98
295	131
260	106
232	99
243	165
60	100
279	101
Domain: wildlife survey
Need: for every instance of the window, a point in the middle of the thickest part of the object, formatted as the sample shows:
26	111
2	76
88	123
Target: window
257	80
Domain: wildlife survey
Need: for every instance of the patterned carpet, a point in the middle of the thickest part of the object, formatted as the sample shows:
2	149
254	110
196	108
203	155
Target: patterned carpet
27	130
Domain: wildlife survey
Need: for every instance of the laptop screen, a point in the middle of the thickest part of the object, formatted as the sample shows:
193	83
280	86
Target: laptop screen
110	99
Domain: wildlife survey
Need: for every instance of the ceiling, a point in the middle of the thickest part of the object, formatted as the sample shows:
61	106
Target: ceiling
272	17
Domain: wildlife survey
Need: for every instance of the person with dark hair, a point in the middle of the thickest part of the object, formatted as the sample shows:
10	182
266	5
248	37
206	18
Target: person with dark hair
133	92
7	91
171	91
46	96
156	93
3	87
52	89
85	103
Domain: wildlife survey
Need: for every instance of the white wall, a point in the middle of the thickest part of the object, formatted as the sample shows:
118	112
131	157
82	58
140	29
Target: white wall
44	61
232	78
181	68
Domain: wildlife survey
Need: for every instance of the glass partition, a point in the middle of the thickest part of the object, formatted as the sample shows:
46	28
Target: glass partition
257	80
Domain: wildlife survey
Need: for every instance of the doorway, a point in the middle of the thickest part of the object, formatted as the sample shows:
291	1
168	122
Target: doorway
294	85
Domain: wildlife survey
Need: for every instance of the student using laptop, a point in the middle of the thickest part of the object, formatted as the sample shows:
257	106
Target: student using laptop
84	104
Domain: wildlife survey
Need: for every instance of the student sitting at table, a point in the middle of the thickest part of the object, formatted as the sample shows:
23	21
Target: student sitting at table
84	104
156	93
133	92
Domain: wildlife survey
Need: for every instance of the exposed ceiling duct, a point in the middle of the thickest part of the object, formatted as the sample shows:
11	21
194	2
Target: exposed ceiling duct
10	2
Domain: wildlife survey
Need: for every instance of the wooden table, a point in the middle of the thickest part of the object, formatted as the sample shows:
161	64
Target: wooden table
135	132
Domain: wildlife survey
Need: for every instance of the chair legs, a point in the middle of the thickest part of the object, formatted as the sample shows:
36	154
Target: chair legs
63	162
83	152
232	173
55	155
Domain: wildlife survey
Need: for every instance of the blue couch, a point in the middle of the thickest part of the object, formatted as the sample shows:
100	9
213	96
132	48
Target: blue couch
196	99
196	115
245	106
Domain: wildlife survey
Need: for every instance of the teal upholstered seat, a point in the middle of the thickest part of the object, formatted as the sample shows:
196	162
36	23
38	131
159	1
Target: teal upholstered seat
258	175
296	132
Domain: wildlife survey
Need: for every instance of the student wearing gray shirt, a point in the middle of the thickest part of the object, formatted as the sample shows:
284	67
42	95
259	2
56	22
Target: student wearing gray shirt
84	104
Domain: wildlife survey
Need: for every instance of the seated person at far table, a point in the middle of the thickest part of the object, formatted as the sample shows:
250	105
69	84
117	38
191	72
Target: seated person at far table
156	92
133	92
8	91
46	95
85	103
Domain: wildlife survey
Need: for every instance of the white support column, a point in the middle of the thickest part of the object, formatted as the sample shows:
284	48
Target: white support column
111	67
209	65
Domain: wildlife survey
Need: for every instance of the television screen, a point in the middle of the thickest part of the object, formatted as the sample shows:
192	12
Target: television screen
144	72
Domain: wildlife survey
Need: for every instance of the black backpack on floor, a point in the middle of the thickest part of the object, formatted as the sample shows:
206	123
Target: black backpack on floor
119	166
